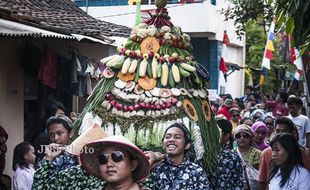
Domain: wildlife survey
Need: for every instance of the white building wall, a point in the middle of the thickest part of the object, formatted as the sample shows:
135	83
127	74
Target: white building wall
11	98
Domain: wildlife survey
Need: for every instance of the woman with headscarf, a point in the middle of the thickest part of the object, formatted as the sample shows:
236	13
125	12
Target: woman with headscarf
269	120
260	131
244	137
257	114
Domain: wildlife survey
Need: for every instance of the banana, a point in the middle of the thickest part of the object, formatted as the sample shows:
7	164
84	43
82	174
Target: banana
154	67
188	67
176	73
125	66
133	66
164	76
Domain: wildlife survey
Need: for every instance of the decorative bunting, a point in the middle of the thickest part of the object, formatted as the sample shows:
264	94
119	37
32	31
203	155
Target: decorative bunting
268	55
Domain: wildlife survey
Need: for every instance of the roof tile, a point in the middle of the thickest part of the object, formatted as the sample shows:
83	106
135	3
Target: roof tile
62	16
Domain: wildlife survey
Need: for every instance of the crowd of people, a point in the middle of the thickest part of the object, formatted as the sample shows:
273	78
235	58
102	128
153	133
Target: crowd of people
264	145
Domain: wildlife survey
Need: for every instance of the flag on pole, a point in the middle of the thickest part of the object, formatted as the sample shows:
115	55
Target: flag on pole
262	75
296	60
223	66
269	49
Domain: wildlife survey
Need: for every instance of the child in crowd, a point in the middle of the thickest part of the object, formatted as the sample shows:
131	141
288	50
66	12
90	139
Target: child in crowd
23	161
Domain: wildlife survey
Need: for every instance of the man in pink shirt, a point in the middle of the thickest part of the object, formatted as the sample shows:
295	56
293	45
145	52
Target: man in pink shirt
283	125
278	106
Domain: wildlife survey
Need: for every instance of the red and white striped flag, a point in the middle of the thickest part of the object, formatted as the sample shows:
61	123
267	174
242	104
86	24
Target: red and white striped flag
297	61
223	66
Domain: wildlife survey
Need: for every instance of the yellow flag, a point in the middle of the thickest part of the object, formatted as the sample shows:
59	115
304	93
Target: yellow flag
270	45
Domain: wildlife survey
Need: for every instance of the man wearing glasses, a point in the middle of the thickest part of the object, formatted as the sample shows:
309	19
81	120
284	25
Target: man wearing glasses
234	118
111	163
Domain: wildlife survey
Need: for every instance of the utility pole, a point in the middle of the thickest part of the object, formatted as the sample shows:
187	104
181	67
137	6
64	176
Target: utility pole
306	91
86	2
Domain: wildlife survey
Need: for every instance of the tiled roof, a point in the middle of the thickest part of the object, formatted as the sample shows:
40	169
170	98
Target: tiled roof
61	16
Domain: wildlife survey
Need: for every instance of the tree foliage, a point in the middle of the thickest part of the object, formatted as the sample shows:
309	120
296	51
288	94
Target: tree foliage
293	16
255	46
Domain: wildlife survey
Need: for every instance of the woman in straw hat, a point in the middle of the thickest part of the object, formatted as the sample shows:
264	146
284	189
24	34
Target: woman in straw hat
110	163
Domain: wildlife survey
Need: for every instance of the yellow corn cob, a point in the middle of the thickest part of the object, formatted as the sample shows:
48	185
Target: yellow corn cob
142	68
164	75
154	67
175	73
133	66
125	66
114	60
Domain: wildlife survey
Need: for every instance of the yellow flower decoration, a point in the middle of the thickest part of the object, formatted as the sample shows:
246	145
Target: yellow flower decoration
130	2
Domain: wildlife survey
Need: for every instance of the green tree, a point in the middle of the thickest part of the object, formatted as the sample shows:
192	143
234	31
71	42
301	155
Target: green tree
293	16
255	46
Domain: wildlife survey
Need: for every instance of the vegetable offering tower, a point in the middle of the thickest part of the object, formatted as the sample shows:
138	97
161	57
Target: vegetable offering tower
154	79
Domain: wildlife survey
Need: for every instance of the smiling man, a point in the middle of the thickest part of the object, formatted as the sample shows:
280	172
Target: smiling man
176	171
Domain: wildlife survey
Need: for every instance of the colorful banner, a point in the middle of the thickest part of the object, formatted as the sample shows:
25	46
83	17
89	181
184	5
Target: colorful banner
269	49
223	66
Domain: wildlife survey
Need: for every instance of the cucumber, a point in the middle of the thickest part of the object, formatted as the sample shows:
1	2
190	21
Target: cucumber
149	70
183	72
159	71
137	73
171	79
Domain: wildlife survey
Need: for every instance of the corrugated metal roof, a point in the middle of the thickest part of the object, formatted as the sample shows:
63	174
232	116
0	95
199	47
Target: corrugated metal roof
10	28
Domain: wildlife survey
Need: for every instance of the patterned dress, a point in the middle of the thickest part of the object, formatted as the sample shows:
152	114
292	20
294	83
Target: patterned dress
188	175
72	178
62	162
251	157
229	175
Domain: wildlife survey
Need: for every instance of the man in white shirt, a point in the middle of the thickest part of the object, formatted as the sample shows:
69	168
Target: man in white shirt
301	122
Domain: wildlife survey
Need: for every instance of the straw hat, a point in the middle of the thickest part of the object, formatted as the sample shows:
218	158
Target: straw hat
90	159
91	134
